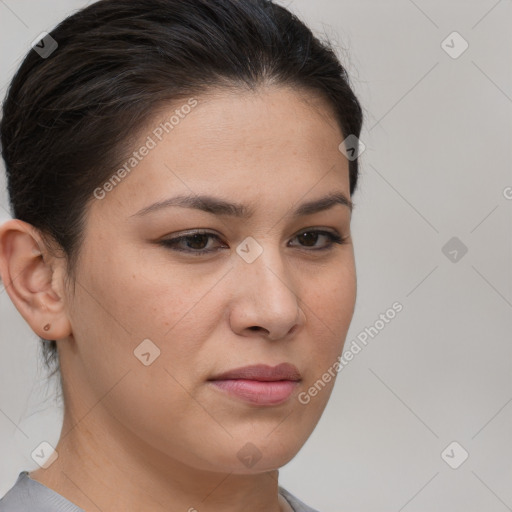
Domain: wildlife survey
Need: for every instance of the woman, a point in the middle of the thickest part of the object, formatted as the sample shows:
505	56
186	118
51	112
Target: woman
180	174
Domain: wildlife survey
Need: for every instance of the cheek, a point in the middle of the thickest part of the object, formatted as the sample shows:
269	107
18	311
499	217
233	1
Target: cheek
136	295
147	314
118	311
332	298
155	405
329	312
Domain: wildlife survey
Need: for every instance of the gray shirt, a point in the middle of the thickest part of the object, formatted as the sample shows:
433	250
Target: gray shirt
28	495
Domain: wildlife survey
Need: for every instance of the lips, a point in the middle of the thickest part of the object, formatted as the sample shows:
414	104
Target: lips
260	384
262	373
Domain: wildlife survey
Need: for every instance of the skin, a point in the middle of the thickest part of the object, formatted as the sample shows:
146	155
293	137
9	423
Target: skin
139	437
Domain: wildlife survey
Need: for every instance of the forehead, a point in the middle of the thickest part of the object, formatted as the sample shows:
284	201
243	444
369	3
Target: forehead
270	140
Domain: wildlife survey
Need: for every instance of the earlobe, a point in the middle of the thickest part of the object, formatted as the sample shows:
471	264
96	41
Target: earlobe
30	280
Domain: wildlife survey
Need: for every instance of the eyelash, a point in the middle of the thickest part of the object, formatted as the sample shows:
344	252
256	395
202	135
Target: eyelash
171	243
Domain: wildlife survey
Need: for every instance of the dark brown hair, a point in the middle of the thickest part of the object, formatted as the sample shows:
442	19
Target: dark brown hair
69	117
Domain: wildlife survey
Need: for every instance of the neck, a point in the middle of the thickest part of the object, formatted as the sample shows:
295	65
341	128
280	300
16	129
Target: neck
103	466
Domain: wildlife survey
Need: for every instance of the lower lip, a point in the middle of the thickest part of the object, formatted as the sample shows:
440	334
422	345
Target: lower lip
257	392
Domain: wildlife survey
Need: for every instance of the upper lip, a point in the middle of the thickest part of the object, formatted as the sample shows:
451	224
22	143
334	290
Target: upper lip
262	372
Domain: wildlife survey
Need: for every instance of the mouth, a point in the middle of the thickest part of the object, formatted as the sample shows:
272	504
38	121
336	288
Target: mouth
262	372
257	392
259	384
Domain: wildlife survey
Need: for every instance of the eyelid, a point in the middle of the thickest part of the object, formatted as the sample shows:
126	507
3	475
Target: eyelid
334	237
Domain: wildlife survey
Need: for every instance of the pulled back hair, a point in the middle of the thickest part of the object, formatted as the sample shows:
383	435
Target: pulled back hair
69	119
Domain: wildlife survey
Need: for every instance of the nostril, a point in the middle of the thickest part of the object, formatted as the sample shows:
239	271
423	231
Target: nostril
258	328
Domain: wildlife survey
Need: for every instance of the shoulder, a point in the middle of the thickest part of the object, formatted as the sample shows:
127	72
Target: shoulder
28	495
297	505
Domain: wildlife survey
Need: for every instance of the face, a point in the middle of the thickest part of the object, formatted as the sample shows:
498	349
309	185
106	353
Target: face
169	298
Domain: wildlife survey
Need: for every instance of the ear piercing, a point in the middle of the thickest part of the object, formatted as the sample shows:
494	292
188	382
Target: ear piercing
46	327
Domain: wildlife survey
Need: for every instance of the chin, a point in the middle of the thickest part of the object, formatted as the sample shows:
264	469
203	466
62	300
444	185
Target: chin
257	457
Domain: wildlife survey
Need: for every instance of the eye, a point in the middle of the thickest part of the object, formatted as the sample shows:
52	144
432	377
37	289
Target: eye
312	235
196	243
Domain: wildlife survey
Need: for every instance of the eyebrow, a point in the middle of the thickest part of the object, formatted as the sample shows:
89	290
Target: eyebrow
217	206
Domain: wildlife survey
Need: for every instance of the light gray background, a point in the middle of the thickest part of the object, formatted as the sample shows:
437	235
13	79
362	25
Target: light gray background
437	165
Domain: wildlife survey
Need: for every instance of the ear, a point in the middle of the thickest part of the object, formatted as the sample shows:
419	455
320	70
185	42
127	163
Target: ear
33	279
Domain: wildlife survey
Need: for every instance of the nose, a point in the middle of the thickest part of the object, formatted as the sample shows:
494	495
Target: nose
265	298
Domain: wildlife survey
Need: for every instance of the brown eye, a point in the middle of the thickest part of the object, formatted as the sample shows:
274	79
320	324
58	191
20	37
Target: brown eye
310	238
194	243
